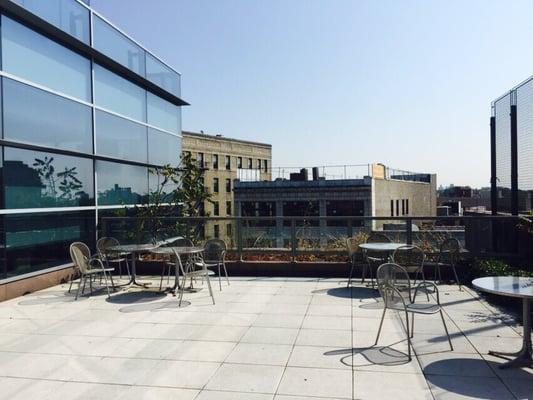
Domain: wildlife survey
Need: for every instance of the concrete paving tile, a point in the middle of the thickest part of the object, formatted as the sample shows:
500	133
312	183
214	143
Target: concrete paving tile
258	334
383	385
278	321
180	374
445	387
263	354
323	337
316	382
246	378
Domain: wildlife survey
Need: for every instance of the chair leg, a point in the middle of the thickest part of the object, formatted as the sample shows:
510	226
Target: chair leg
106	284
456	277
424	280
380	325
91	284
71	280
225	271
111	279
446	329
84	282
412	325
363	273
219	278
182	289
408	336
209	286
79	287
351	274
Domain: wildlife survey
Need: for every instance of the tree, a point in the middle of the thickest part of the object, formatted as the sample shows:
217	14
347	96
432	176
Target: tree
178	192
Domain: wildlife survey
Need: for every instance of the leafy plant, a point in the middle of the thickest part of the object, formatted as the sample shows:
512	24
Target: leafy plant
481	268
179	192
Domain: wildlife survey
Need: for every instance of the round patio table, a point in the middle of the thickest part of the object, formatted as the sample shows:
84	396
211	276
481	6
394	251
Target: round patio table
133	249
381	247
519	287
179	251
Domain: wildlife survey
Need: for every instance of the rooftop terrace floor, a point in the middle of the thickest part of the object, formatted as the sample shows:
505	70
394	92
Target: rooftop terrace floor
266	338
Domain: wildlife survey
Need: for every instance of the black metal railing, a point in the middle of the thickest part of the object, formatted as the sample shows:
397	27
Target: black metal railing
486	235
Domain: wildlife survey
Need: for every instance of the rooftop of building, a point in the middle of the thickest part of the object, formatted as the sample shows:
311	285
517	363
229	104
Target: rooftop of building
219	137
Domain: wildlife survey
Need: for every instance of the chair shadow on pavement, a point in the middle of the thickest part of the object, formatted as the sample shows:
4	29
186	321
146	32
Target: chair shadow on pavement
373	355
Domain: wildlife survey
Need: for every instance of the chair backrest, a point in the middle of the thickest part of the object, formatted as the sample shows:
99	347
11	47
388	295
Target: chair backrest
213	249
80	254
376	237
394	285
449	251
409	257
104	243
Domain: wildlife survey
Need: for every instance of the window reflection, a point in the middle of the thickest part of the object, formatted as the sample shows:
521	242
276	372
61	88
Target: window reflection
161	75
67	15
41	240
120	138
118	94
163	114
117	46
121	183
31	56
163	148
34	116
35	180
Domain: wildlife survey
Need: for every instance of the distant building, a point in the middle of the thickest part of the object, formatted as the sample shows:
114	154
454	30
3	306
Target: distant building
381	194
458	199
225	160
511	132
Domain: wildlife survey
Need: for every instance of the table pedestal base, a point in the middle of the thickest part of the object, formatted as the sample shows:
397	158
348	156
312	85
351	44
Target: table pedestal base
523	357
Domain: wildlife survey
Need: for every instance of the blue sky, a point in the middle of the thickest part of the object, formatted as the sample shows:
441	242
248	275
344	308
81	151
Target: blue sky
405	83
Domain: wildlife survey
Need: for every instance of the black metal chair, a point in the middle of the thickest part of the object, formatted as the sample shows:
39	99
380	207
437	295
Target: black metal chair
395	288
449	253
374	258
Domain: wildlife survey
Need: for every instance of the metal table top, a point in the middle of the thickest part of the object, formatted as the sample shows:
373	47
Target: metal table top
133	248
512	286
381	246
178	249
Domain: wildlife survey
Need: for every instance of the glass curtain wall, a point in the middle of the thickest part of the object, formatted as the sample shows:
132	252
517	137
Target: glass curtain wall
78	139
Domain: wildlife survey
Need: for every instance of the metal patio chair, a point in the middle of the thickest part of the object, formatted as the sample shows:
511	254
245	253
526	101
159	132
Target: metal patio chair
449	253
88	267
374	258
169	264
412	259
215	257
192	270
396	290
109	257
356	256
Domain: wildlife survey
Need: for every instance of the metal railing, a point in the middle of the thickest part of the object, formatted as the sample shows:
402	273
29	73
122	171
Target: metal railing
323	237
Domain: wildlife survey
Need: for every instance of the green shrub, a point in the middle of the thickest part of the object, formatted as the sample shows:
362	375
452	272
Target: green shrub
482	268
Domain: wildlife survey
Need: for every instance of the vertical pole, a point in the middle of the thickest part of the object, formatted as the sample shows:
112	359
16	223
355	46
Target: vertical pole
409	231
293	239
514	155
493	171
239	237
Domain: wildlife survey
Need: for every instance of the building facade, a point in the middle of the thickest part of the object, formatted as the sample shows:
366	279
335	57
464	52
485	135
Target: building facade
86	112
511	134
225	160
380	194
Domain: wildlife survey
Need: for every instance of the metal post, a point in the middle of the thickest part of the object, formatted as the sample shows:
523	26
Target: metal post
350	228
409	231
514	156
493	171
293	239
239	237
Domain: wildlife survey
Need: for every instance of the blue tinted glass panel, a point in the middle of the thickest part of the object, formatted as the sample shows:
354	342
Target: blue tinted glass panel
162	76
67	15
163	114
37	117
117	46
41	240
118	94
163	148
121	183
120	138
35	179
31	56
